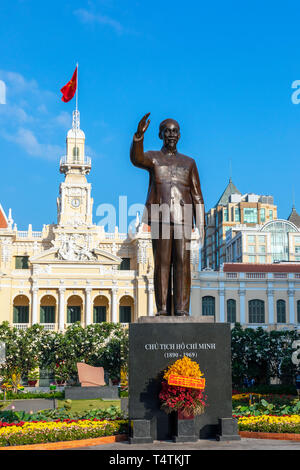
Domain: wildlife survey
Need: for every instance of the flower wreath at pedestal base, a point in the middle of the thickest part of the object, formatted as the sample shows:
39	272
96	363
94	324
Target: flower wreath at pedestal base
183	388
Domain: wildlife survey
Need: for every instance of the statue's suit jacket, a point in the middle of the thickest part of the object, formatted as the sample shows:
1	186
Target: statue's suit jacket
173	180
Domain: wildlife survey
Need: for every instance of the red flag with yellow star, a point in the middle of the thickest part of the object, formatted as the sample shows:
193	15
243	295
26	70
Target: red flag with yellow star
69	89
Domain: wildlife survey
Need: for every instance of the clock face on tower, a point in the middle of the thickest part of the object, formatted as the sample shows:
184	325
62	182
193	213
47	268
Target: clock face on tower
75	202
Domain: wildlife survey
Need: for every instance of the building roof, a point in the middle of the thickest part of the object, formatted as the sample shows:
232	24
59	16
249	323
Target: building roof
294	217
229	190
280	267
3	218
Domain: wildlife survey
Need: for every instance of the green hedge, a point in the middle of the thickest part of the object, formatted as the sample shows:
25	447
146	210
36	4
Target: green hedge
29	395
269	389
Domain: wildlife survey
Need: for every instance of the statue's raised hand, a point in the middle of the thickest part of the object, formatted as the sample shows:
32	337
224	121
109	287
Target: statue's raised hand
143	126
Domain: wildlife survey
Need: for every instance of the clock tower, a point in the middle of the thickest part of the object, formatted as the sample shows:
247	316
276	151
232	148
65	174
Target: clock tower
74	204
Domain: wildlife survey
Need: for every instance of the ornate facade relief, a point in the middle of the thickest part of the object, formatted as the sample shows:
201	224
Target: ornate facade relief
142	251
6	250
75	248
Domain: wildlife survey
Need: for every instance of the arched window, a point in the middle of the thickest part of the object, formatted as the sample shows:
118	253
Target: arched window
99	314
75	154
256	311
100	309
74	308
208	305
279	231
75	151
47	309
281	311
125	313
126	309
231	311
21	309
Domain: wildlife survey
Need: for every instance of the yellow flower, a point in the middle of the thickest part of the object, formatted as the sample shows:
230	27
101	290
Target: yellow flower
184	367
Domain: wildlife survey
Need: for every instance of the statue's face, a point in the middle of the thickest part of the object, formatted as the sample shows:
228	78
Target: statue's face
170	135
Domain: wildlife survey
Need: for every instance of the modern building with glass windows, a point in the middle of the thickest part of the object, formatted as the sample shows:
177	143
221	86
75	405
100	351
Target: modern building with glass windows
232	210
278	240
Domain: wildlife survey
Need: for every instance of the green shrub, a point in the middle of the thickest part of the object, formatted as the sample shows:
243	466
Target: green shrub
276	389
111	413
30	395
263	407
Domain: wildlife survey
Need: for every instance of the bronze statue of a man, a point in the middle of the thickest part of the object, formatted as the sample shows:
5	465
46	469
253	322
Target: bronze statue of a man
174	206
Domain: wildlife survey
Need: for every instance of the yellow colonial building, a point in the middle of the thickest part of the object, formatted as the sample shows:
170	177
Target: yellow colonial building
74	270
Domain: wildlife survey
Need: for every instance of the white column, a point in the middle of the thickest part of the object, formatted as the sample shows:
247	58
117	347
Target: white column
242	293
222	305
34	305
114	311
150	300
291	294
61	313
88	310
270	293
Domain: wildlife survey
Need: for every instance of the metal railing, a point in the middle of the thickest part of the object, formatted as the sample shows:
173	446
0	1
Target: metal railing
49	326
22	233
21	326
255	275
65	160
26	234
37	234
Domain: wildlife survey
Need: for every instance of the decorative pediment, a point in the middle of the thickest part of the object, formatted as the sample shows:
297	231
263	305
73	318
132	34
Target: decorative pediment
45	257
77	255
104	257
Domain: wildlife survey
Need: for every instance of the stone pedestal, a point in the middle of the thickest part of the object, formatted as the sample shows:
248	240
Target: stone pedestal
228	430
157	342
140	431
184	429
91	393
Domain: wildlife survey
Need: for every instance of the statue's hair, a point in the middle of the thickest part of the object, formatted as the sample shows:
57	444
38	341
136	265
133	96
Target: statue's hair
164	124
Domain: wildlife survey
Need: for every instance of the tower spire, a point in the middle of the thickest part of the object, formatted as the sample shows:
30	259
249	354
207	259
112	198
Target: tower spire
77	88
76	120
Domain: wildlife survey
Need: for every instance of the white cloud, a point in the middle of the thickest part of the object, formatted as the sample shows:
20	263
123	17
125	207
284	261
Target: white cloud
16	82
15	112
32	117
86	16
63	119
26	139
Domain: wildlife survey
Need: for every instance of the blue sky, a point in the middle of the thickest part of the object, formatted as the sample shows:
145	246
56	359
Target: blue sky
224	70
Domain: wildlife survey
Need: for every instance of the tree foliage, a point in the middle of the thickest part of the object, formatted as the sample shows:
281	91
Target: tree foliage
256	353
97	345
260	354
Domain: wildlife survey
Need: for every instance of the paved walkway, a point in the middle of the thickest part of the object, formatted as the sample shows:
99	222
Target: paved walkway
243	444
35	404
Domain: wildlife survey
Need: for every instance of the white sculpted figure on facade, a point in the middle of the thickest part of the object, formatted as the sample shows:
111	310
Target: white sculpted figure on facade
72	249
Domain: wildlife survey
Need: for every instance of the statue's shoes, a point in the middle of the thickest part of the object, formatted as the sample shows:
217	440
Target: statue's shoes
162	313
181	314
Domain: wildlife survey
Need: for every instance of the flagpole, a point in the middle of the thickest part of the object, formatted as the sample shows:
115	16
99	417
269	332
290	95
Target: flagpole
76	114
77	90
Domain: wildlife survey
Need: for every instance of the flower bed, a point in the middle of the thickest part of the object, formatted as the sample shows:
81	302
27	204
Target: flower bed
270	424
34	432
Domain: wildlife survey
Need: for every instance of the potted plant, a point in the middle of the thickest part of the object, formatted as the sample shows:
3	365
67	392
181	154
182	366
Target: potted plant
61	373
33	377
